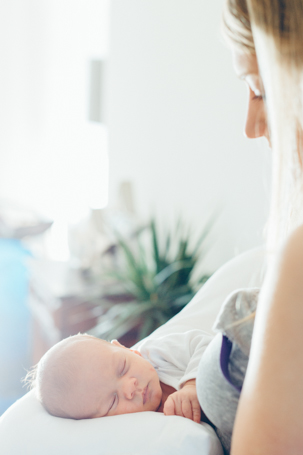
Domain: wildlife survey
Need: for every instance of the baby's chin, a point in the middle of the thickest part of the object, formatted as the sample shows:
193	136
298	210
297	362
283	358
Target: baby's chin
156	398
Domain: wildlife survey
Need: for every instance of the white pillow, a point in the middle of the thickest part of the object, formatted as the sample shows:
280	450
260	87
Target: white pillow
27	429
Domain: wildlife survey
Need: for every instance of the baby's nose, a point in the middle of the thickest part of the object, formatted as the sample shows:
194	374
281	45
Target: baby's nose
130	388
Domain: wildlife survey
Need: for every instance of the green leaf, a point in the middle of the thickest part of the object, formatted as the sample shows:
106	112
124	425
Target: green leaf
155	245
203	279
183	300
135	271
182	249
167	245
170	270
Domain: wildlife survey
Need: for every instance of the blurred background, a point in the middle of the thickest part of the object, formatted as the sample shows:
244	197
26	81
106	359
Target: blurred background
125	177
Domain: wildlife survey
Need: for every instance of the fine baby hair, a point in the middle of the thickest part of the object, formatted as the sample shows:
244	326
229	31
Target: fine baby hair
55	378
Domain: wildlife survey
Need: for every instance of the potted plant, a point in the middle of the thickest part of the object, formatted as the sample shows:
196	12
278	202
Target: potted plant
153	280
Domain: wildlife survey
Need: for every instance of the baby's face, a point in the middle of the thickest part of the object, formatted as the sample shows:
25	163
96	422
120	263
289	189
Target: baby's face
115	380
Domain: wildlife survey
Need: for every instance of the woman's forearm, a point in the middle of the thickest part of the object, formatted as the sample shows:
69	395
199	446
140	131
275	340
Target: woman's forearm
269	420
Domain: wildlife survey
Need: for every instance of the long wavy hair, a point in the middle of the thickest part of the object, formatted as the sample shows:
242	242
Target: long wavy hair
273	31
236	26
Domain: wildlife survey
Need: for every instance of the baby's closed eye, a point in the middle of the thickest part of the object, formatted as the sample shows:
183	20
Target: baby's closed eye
124	368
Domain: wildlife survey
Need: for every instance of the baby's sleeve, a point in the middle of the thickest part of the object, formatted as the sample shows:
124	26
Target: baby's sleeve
197	342
176	356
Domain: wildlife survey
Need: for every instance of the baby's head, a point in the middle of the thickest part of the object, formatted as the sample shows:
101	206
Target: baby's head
84	377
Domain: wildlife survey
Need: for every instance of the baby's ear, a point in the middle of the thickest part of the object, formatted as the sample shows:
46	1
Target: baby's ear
136	352
116	343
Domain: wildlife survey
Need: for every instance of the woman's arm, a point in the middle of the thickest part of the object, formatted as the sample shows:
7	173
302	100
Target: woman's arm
269	419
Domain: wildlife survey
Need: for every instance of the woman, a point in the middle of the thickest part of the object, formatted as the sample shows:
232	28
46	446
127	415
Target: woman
266	37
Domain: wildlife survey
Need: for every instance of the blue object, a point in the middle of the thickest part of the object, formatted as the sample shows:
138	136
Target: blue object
226	349
14	321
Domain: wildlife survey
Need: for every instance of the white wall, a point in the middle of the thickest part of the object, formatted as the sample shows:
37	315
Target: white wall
176	114
51	157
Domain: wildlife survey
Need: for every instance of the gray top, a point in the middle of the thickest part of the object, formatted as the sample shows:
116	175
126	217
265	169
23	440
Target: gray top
221	373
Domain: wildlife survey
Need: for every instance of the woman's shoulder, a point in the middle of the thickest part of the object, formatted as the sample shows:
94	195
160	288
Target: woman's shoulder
292	248
288	262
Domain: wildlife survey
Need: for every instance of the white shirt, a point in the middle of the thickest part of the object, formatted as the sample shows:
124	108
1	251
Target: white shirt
176	356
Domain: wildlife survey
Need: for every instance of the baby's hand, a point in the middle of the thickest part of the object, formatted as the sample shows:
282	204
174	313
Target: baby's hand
184	402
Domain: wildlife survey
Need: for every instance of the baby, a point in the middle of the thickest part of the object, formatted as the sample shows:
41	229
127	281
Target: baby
83	377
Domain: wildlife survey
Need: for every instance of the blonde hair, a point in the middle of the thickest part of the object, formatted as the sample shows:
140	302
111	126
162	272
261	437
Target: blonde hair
277	39
236	27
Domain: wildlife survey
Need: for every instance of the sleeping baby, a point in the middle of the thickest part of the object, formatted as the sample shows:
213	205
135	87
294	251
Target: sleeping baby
83	377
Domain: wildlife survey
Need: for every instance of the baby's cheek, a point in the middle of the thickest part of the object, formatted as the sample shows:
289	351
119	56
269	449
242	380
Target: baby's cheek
129	408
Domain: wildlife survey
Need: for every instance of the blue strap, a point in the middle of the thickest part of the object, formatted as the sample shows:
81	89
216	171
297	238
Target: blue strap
224	360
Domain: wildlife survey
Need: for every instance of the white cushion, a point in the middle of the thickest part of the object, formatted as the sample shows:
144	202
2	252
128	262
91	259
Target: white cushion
27	429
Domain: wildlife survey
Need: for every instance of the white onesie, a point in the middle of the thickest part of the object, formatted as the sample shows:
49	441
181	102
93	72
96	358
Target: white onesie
176	356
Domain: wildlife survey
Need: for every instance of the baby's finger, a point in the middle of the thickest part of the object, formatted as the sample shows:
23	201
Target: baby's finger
187	409
196	411
178	406
169	407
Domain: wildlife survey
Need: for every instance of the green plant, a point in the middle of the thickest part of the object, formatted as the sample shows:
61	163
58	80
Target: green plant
153	280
